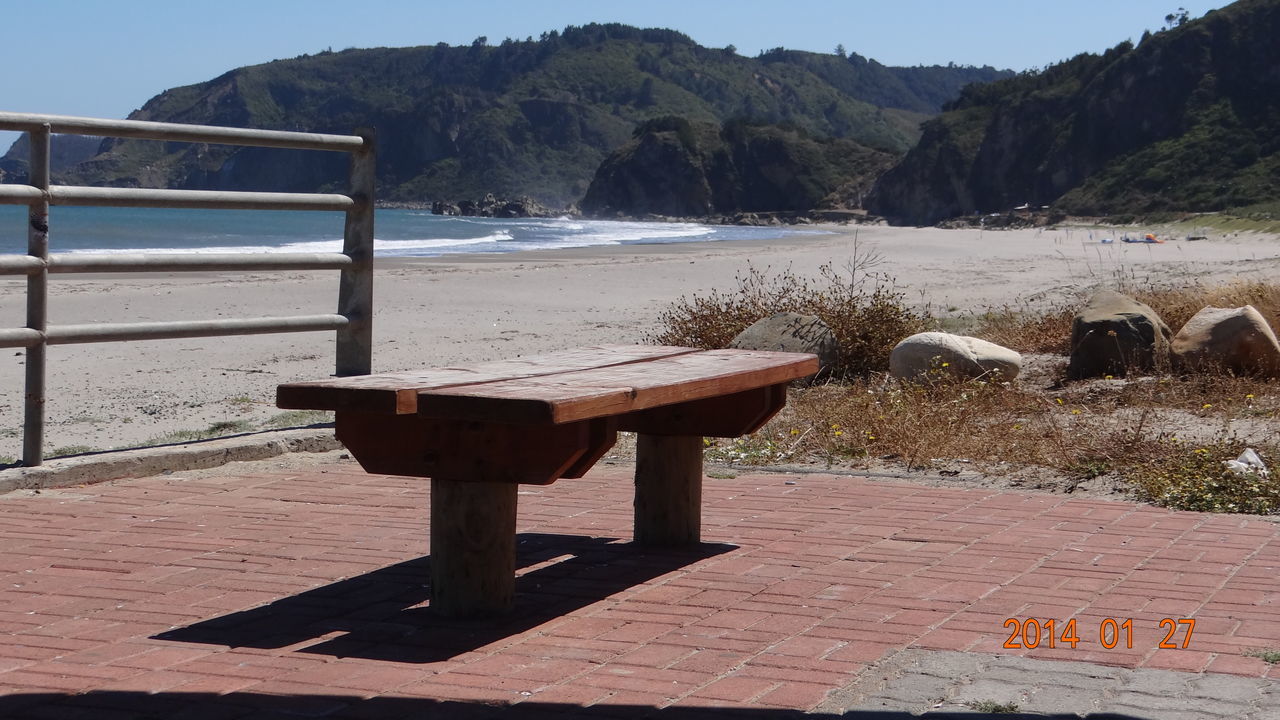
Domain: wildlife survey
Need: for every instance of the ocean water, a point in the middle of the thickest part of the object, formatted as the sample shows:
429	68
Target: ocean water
397	233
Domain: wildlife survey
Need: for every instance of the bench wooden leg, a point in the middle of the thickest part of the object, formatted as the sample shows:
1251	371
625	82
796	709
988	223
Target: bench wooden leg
668	490
473	548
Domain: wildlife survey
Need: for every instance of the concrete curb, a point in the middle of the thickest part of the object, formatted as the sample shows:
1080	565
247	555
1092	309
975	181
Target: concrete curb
143	462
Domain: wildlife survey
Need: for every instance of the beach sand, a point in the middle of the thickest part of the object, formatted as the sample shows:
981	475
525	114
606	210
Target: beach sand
463	309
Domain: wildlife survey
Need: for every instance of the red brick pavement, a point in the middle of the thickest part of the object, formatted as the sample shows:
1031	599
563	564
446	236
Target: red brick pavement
304	593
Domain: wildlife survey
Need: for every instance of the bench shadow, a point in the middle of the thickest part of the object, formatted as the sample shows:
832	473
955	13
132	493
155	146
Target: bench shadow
383	615
261	706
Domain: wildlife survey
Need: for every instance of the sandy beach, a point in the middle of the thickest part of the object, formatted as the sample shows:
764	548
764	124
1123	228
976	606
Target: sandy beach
462	309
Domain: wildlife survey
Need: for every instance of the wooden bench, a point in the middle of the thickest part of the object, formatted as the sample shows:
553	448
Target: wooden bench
479	431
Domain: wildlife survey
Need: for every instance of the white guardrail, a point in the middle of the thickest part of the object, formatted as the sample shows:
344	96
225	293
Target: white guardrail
352	321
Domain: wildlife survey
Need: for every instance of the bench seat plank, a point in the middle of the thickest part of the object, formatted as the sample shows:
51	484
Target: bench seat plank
615	390
397	392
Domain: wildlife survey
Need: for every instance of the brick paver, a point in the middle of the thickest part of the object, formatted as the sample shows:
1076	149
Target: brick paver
305	593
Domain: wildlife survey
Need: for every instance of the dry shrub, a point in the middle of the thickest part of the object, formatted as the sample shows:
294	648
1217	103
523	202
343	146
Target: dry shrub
921	423
1081	432
1049	331
864	311
1025	331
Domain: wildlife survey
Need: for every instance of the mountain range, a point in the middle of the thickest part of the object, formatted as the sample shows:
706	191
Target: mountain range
630	121
533	117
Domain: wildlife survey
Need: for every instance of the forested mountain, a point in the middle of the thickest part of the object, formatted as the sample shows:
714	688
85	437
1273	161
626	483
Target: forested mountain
532	117
677	168
1188	119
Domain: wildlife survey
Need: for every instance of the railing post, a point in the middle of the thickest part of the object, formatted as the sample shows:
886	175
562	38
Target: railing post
355	290
37	298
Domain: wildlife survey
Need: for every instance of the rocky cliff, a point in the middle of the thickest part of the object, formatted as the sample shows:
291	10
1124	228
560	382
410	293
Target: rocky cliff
675	167
1189	119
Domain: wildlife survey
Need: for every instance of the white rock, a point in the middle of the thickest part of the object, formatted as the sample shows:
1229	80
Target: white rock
1236	339
932	354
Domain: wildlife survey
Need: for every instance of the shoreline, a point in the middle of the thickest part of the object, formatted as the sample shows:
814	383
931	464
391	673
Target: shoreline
468	308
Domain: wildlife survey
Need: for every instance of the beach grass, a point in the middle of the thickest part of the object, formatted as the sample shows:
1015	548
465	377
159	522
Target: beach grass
1269	656
224	428
214	430
992	707
67	450
297	418
1259	218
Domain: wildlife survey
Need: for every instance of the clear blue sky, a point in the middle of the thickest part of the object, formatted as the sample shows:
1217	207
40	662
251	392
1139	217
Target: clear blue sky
105	59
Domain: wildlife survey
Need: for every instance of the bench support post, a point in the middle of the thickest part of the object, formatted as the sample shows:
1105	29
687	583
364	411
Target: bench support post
473	548
668	504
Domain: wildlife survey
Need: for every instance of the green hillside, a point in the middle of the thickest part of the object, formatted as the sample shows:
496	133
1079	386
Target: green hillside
674	167
1187	120
533	117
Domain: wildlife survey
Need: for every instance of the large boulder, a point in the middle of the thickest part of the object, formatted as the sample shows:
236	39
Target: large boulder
792	332
1114	334
1237	339
929	355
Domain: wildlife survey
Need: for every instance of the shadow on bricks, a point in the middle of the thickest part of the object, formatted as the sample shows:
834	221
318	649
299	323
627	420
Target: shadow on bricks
384	615
110	705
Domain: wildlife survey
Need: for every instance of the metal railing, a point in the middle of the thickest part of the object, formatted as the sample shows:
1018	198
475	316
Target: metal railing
353	320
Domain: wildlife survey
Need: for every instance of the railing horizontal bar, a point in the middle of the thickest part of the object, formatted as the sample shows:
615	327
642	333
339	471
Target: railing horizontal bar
19	264
19	194
146	197
113	332
174	262
182	133
19	337
208	199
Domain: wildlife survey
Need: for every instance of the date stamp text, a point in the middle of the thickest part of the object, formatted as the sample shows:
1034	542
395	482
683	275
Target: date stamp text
1030	633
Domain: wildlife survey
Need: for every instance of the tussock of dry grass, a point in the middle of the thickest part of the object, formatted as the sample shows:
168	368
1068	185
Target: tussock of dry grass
865	313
